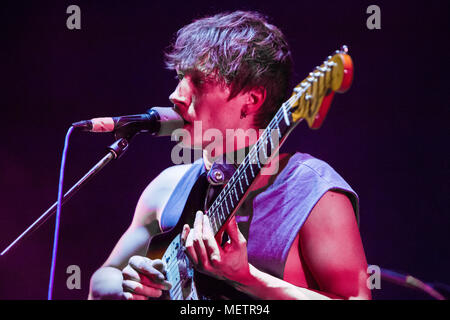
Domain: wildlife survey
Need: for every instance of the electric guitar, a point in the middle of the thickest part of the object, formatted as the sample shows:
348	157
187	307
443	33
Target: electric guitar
225	189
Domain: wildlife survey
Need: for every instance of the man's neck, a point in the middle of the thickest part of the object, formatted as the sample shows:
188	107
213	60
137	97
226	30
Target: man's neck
273	168
235	157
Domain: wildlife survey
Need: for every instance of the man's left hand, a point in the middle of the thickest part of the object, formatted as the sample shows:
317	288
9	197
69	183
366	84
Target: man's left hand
227	262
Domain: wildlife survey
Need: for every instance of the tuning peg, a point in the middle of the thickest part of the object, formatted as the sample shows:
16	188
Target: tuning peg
318	74
328	58
311	78
321	69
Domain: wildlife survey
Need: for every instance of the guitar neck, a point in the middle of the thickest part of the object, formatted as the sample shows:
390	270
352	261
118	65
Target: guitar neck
310	101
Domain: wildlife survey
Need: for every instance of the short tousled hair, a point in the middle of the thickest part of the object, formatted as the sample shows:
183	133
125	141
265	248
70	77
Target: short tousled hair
243	50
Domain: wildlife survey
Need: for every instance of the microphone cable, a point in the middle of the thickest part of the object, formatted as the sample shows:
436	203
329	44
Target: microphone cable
58	213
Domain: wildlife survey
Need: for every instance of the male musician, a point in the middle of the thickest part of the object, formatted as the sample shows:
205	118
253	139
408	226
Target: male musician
298	235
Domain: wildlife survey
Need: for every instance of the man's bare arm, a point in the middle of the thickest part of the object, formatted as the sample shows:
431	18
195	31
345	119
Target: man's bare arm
107	281
329	242
331	246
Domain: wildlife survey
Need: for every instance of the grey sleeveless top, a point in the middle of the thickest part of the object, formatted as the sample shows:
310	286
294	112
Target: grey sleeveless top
270	218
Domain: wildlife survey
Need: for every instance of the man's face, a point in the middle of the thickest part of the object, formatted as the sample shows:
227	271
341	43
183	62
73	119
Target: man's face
203	100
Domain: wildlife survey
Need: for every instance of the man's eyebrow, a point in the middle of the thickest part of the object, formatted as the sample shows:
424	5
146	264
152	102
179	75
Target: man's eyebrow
198	74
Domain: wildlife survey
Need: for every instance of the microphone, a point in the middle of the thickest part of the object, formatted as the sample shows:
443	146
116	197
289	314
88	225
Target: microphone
161	121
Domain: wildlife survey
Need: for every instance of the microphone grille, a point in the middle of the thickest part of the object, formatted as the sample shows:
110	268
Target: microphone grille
169	120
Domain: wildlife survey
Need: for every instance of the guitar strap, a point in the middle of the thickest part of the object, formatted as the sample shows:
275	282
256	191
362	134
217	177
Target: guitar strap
177	201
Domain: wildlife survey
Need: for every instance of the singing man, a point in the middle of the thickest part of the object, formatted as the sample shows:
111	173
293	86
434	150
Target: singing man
295	236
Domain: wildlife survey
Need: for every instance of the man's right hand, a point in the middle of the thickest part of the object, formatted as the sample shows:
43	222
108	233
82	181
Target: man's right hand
144	278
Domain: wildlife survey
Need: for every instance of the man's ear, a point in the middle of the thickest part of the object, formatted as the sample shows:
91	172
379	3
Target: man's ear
256	98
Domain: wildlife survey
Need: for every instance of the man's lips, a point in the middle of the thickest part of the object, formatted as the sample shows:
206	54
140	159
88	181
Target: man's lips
177	110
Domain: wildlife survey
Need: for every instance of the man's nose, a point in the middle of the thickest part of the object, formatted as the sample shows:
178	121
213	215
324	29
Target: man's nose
182	94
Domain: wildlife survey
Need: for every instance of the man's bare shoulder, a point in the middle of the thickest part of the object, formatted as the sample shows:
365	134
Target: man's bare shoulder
155	196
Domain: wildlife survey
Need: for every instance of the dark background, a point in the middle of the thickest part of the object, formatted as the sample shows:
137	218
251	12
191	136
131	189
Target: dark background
386	136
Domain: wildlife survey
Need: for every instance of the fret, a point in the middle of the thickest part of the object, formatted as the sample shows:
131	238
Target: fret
233	194
283	128
240	184
270	145
250	156
231	199
246	179
278	125
215	222
211	207
210	216
237	173
262	142
212	222
251	168
223	214
226	204
271	141
219	223
264	147
286	118
215	217
257	162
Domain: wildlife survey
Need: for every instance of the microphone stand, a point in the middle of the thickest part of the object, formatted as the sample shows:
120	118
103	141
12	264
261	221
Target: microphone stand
115	151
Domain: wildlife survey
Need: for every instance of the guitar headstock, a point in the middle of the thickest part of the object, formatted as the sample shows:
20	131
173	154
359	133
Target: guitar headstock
312	97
